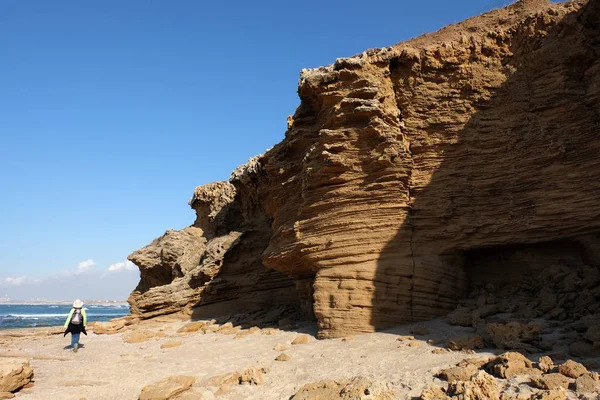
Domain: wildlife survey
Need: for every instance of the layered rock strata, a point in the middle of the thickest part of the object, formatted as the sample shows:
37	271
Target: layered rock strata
400	165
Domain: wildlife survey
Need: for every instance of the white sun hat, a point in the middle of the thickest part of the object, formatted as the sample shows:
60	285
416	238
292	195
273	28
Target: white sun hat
77	304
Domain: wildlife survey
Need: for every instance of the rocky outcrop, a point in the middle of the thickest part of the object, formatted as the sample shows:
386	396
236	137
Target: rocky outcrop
212	268
405	174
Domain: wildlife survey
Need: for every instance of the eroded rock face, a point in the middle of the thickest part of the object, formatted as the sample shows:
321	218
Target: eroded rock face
402	163
212	268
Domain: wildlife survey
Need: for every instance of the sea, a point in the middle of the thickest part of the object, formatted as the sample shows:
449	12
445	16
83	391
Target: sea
38	315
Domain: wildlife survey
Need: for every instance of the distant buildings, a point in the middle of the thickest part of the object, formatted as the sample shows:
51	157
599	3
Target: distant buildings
4	299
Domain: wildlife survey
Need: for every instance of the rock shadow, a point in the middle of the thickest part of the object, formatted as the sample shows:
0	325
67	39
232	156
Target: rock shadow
524	168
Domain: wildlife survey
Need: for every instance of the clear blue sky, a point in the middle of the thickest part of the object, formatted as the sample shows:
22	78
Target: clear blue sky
113	111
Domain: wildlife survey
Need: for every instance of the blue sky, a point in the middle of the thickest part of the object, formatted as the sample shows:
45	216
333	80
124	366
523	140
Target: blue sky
113	111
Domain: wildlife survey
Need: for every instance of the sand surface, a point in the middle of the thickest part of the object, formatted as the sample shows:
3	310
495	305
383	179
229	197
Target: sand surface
108	368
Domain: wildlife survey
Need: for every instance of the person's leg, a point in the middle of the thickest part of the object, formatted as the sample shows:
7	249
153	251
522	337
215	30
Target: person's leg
75	338
72	339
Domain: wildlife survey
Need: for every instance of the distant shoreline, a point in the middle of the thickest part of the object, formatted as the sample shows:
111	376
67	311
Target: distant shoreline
63	302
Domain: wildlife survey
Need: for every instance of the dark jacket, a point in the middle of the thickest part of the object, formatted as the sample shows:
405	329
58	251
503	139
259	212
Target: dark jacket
75	328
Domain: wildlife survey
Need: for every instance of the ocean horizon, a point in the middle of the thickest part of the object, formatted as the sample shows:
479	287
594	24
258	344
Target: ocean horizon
31	314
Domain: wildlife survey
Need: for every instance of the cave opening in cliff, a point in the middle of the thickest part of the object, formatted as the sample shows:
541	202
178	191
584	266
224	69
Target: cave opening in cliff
552	280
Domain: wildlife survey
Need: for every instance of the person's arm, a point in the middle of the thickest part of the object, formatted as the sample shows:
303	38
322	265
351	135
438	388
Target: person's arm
68	318
84	315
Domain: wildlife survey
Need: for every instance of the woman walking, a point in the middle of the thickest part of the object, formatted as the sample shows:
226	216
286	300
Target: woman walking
75	323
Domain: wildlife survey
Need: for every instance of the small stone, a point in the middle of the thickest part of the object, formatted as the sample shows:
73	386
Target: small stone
414	343
224	389
283	357
586	384
405	338
458	373
511	364
440	351
550	381
465	342
192	326
302	339
170	345
270	331
167	388
545	364
572	369
480	386
281	347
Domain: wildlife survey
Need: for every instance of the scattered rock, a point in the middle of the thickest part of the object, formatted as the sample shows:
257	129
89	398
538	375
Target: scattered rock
572	369
346	389
224	389
170	345
251	376
511	364
246	332
109	328
513	335
283	357
194	326
440	351
586	384
281	347
140	336
458	373
302	339
481	386
14	374
466	342
550	381
167	388
545	364
270	331
405	338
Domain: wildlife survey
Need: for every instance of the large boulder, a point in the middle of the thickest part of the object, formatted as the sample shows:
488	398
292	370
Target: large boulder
14	374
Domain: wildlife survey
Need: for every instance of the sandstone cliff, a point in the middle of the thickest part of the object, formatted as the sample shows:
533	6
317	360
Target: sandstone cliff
403	171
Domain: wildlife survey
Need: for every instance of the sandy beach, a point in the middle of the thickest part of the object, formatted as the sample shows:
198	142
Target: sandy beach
109	368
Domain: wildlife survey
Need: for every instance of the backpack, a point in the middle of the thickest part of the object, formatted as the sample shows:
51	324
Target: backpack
76	319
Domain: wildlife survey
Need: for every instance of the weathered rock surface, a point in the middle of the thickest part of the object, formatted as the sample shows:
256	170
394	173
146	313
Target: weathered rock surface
407	173
212	268
14	374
